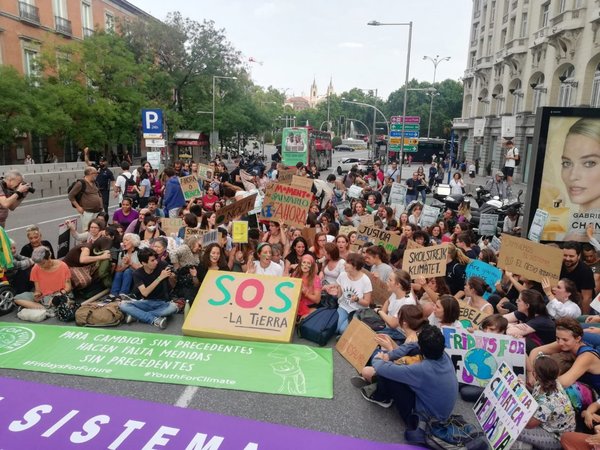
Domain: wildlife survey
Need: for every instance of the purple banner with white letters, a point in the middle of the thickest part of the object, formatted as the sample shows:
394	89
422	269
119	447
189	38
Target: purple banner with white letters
39	416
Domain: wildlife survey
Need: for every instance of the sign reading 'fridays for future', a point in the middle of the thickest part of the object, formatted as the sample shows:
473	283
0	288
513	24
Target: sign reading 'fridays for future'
80	419
93	352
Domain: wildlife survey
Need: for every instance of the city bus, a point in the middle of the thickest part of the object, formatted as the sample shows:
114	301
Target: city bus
306	145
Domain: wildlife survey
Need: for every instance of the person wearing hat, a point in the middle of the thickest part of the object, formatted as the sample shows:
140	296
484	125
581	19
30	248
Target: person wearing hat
497	186
512	222
104	179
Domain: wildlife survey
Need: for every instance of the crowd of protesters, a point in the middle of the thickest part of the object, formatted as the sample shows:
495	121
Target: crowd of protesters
153	274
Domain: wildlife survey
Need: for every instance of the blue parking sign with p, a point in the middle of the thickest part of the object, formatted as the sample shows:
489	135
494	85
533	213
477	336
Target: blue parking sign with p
152	121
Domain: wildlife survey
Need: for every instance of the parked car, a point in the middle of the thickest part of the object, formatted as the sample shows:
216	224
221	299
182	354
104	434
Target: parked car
346	164
343	148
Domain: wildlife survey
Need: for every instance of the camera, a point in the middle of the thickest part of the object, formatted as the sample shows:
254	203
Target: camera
30	189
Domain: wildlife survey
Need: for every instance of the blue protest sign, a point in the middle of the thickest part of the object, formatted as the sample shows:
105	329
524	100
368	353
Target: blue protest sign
490	274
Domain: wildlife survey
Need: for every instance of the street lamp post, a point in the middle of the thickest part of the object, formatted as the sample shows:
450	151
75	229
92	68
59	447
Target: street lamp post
435	62
409	24
375	111
214	79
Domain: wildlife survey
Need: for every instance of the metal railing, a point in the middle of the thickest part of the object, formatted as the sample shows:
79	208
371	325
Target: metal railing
29	12
63	25
87	32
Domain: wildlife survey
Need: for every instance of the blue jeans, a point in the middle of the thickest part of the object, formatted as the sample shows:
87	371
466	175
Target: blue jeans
342	320
148	310
409	198
423	195
122	282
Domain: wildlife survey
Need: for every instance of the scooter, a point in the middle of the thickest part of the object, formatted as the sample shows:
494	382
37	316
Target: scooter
498	207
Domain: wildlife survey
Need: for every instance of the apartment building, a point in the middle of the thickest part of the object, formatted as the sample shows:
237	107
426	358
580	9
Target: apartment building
26	25
524	54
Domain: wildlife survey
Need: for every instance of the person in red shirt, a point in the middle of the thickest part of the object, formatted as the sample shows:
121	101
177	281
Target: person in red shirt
209	199
311	285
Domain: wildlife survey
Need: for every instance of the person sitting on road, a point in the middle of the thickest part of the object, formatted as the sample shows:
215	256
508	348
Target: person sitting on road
34	236
50	277
90	261
94	230
128	262
153	282
425	390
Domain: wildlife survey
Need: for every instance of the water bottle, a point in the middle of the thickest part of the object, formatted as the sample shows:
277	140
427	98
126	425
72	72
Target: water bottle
186	309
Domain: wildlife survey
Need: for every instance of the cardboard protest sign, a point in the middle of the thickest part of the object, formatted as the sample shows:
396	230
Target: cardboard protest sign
257	203
380	292
302	182
235	210
368	220
194	232
190	187
354	191
398	208
477	355
490	274
532	260
537	225
284	176
410	244
205	172
426	261
239	232
170	226
347	229
429	215
389	241
64	238
287	204
470	317
398	194
244	306
504	408
488	224
357	344
210	237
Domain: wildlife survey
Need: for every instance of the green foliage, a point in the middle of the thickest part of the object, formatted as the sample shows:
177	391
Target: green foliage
336	141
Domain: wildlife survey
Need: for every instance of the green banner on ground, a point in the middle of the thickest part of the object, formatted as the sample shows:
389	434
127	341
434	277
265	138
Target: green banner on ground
287	369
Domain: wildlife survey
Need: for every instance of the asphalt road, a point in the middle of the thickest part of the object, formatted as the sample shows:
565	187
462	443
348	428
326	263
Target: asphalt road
346	414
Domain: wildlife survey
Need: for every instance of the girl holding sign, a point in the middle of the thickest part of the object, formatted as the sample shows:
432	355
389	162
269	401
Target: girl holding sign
555	414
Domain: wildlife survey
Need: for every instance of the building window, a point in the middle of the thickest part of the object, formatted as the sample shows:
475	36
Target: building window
503	37
539	93
499	104
562	6
493	12
523	31
87	22
579	4
567	87
544	15
60	8
109	22
30	62
489	45
595	100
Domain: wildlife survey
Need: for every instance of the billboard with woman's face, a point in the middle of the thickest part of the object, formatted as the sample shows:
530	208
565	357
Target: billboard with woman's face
566	179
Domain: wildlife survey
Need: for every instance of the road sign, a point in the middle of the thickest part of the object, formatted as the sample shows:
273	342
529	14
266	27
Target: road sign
407	148
407	127
409	119
152	122
408	134
407	141
155	143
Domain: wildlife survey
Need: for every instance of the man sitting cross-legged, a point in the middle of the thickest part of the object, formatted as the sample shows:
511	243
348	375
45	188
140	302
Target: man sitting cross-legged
152	283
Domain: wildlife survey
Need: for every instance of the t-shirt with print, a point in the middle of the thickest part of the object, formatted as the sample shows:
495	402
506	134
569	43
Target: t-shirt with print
352	288
555	411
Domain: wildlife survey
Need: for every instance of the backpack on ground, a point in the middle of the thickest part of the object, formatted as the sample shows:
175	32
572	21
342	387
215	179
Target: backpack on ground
81	192
99	314
65	308
319	326
452	434
370	318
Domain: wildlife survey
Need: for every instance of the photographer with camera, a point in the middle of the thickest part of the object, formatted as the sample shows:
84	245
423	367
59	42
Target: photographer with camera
12	192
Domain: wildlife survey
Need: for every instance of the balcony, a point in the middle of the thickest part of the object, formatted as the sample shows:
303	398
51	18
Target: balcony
570	19
461	123
469	73
29	13
63	26
87	32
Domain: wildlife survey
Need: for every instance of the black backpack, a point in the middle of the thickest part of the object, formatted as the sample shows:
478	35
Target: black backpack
81	192
130	191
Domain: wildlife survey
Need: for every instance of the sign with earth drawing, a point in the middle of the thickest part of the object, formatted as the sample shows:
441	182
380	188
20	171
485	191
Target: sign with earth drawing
476	356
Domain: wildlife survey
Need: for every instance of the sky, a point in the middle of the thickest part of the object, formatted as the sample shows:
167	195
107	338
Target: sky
297	41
